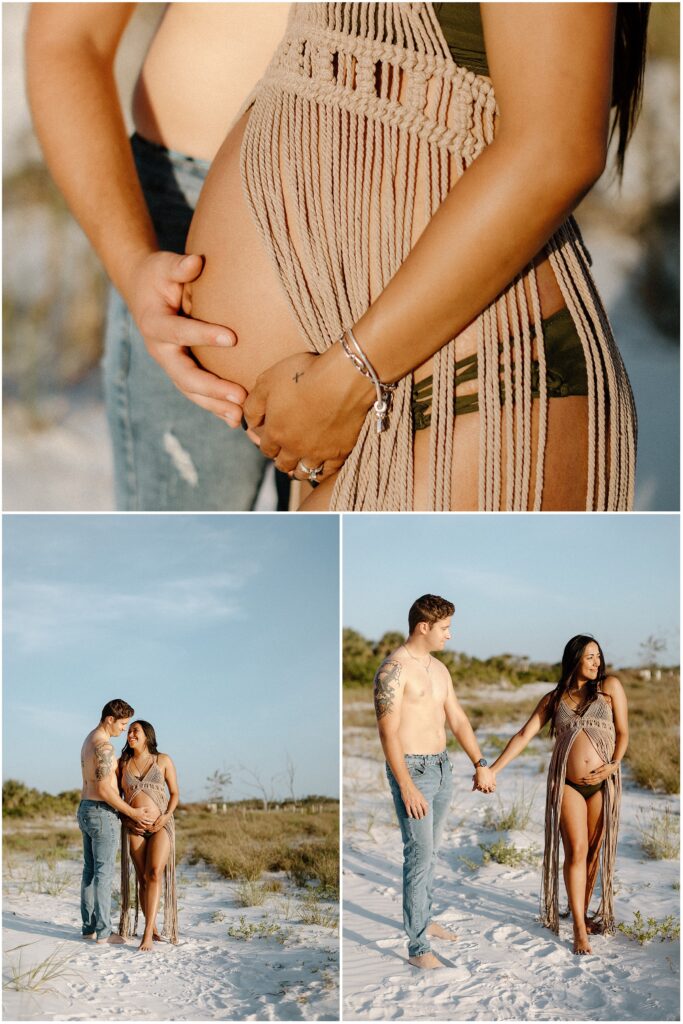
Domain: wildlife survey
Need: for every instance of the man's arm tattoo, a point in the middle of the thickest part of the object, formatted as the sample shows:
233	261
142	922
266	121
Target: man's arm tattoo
297	375
386	685
104	761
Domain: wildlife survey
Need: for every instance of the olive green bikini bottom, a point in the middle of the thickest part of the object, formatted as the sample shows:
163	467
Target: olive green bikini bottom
565	372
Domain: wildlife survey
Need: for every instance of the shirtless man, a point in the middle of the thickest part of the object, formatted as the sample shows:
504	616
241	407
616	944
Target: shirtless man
135	205
414	698
98	820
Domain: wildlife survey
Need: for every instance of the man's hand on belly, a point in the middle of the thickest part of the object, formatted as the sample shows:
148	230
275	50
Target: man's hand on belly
155	296
415	804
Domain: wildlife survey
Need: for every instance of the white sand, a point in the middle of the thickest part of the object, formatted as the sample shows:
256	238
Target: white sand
505	965
208	976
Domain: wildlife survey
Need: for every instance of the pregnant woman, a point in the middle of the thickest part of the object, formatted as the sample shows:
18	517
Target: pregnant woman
387	228
148	779
588	717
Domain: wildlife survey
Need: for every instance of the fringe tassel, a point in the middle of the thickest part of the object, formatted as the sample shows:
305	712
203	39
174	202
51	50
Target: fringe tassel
361	110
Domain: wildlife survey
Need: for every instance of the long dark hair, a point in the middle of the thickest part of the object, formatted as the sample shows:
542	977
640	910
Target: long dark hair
571	659
630	41
150	736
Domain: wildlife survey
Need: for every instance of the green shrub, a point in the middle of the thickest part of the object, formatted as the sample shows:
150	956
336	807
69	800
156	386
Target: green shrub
642	931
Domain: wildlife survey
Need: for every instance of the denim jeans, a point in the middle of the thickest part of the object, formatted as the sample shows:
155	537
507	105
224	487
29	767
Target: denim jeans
101	829
169	455
433	776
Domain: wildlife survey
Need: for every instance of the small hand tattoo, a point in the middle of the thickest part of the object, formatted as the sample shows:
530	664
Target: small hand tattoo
386	683
296	376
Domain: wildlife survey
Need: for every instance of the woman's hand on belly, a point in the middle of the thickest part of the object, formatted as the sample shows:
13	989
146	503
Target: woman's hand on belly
133	826
598	774
309	407
159	823
155	297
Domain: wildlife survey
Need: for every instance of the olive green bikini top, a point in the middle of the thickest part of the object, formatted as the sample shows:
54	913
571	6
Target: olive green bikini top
461	26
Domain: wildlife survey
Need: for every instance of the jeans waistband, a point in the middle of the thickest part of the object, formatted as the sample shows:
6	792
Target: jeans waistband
427	758
97	803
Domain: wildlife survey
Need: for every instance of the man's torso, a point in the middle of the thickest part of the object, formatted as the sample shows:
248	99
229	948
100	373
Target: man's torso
98	765
423	707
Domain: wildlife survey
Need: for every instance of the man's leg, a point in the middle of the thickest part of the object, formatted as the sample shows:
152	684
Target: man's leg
87	888
441	806
101	825
418	843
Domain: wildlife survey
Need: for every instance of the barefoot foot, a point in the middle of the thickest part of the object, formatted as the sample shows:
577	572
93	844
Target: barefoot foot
157	937
147	943
114	940
427	961
439	932
581	944
92	937
593	927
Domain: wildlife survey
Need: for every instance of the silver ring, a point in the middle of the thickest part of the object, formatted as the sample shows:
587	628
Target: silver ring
312	474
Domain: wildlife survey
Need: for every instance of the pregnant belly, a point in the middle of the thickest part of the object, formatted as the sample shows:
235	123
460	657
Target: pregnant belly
583	758
143	800
241	289
239	286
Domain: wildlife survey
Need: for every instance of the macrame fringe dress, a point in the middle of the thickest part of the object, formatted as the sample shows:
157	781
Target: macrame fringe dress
358	130
154	786
598	724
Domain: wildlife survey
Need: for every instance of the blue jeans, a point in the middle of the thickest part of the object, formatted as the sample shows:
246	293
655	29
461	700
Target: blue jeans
101	829
433	776
169	455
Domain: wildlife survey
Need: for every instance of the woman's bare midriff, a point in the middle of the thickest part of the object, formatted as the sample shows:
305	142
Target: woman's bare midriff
583	758
143	800
240	288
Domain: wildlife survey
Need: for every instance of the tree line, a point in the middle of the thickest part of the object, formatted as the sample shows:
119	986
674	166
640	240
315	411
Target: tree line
360	658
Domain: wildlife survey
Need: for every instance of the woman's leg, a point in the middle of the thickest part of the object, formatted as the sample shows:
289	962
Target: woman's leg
138	854
596	833
574	830
158	850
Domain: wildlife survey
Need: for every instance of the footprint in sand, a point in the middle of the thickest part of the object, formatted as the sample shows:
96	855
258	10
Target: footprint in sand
505	934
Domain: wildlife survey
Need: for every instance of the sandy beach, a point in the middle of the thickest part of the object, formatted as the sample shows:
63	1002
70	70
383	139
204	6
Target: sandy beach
505	966
290	973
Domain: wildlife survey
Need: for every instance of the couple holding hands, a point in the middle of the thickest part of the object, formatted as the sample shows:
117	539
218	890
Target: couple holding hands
587	711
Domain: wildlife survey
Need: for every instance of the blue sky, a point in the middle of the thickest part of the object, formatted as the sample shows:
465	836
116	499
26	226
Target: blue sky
220	630
521	584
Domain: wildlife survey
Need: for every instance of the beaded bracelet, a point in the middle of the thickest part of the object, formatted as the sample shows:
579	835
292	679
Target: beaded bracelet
364	366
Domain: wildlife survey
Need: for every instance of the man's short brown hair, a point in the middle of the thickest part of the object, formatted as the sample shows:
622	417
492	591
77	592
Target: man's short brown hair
117	708
429	608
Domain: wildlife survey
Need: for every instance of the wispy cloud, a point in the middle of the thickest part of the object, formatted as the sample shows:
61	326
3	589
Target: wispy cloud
38	614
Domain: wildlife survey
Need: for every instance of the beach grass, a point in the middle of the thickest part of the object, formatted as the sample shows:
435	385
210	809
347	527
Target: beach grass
659	829
38	977
242	844
507	817
503	852
245	844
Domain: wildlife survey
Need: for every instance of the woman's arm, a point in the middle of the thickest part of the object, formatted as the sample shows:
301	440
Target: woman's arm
615	691
522	738
77	116
551	66
170	777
